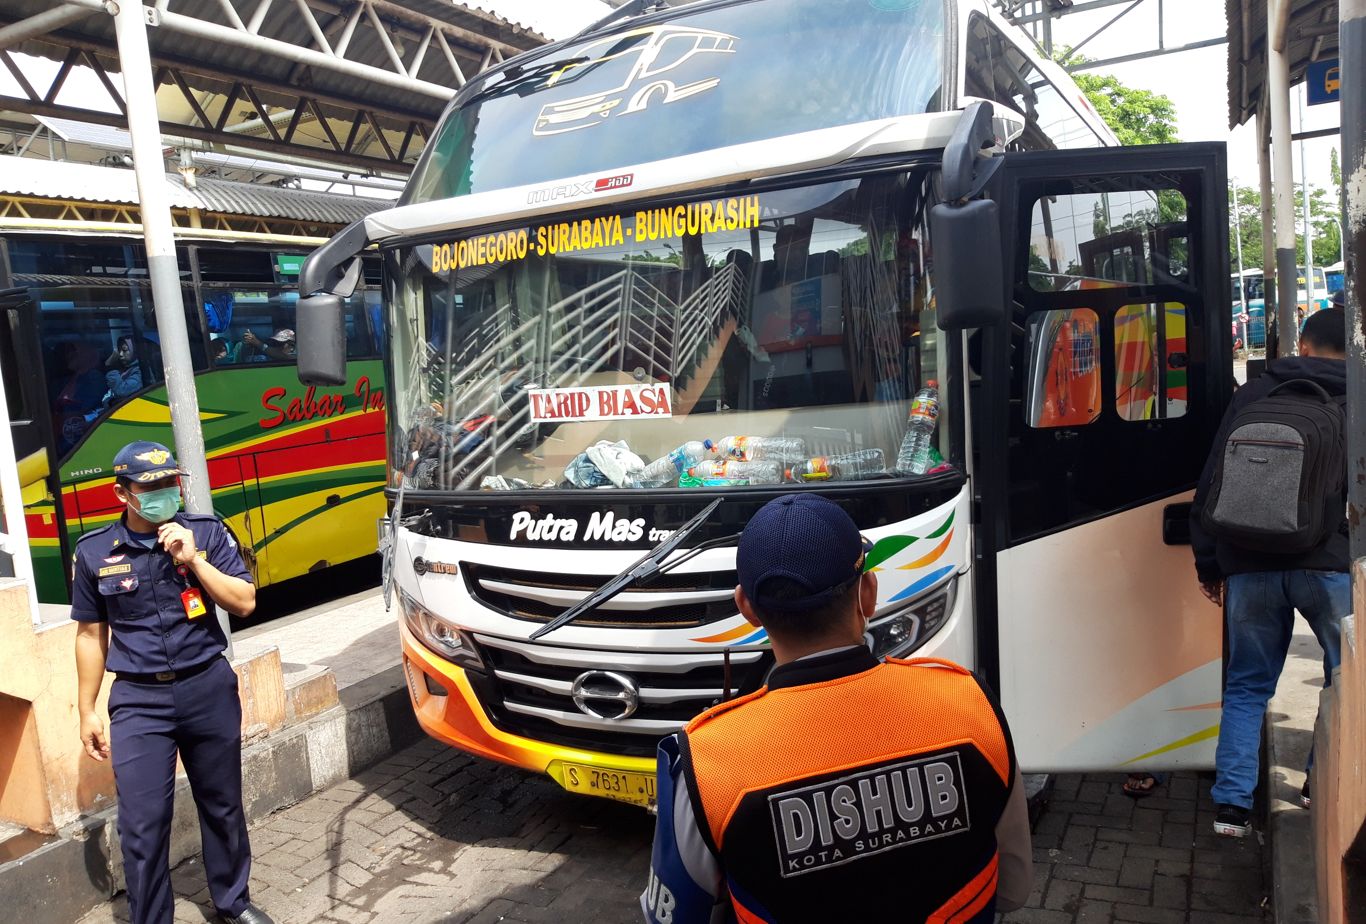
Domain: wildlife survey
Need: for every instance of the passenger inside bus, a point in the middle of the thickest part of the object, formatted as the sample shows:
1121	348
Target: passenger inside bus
124	375
278	349
79	395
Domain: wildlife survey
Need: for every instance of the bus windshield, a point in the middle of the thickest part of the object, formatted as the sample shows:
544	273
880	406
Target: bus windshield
803	313
721	75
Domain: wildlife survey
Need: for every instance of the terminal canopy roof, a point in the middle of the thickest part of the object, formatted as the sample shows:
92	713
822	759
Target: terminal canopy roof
1311	35
352	82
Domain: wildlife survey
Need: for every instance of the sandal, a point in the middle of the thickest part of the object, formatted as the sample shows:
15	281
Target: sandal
1140	785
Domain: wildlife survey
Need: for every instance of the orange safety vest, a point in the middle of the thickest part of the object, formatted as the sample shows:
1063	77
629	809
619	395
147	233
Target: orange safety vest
870	797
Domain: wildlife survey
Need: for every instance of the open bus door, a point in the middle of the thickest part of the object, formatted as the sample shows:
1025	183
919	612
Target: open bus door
21	364
1108	655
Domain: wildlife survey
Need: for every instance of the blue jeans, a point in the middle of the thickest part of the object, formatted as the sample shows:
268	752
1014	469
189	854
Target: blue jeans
1261	615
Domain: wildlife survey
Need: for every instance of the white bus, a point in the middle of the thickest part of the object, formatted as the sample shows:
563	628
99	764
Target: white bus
784	218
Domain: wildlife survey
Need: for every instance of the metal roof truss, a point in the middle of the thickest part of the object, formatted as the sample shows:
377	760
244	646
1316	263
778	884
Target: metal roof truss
1037	18
357	82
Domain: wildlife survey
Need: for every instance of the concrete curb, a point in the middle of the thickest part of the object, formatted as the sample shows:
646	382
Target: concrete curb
1289	736
60	881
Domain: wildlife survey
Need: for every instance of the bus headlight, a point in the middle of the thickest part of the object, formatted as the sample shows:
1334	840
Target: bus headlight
437	634
901	632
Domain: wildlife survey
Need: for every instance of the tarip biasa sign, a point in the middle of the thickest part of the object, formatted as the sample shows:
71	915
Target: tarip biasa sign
601	402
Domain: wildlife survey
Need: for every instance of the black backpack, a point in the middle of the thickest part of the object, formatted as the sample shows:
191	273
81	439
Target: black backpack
1278	486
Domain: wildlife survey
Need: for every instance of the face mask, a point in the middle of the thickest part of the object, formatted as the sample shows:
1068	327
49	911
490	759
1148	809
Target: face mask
160	505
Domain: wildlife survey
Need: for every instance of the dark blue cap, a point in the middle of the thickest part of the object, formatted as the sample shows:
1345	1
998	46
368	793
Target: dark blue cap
145	461
806	541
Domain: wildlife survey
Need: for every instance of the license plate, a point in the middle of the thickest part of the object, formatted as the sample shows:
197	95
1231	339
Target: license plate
622	785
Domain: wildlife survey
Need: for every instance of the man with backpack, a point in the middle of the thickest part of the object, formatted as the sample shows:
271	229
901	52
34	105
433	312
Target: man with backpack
1269	531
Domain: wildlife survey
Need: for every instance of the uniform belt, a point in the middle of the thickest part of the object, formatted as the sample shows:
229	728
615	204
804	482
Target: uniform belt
166	676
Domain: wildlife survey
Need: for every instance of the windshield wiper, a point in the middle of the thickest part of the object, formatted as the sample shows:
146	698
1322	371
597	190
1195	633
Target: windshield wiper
641	570
396	519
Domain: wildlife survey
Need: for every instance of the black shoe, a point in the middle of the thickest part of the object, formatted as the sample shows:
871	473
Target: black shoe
250	915
1305	800
1232	820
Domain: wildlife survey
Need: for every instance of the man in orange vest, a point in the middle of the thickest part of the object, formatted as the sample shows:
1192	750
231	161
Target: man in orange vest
845	789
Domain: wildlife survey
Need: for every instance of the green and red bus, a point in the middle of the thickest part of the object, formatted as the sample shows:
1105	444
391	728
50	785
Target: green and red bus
297	473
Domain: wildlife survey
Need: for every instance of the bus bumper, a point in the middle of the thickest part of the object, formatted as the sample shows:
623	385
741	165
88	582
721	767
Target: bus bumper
454	716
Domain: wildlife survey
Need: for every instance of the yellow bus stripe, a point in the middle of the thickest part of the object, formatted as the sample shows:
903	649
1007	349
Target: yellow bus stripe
1202	735
299	428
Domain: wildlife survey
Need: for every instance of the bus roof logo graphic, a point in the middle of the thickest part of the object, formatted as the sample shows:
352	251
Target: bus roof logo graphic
646	54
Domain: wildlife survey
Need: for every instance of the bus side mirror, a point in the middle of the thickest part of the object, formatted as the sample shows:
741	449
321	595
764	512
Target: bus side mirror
969	275
321	340
329	275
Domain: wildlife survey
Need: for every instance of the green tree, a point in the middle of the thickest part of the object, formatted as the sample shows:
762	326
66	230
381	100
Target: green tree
1247	212
1135	116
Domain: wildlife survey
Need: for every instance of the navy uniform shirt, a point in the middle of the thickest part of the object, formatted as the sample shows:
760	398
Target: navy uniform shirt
137	591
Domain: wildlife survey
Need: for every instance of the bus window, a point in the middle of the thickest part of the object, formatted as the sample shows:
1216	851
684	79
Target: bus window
249	300
1108	239
996	69
674	89
805	313
1063	384
98	327
1150	361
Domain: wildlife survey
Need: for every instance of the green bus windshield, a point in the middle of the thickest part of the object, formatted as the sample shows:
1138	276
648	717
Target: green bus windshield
719	76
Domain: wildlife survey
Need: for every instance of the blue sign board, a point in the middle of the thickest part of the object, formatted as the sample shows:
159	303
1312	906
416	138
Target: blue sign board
1323	82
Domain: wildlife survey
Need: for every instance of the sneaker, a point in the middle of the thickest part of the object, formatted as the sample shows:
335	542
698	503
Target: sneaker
1305	799
1232	820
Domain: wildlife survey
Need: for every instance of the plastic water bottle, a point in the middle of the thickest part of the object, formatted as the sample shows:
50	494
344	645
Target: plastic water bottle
844	467
667	468
914	455
761	472
755	448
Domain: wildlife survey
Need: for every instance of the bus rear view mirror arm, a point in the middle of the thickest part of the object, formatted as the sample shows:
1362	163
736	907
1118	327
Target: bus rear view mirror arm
966	232
328	277
334	267
968	165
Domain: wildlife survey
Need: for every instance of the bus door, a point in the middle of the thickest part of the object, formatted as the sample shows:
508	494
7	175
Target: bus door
31	429
1108	389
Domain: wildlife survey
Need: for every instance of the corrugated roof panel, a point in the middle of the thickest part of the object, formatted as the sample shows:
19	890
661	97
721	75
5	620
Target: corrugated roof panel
42	179
554	20
275	202
1311	28
45	179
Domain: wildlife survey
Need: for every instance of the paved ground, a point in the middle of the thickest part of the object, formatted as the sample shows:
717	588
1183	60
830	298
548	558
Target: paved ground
1101	857
431	835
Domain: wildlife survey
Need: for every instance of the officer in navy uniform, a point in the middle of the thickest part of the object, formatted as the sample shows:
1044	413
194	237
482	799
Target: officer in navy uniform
144	590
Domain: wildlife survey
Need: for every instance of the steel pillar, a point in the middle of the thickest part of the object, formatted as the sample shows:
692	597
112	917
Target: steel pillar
14	537
1269	300
1352	55
135	60
1283	180
1308	218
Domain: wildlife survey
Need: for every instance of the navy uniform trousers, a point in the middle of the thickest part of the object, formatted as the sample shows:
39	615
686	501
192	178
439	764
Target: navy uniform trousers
200	717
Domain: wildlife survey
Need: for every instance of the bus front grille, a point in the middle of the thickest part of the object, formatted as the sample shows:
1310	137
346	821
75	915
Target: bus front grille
529	690
670	601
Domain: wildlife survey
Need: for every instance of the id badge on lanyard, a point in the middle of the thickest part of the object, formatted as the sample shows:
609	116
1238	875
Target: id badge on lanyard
190	597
